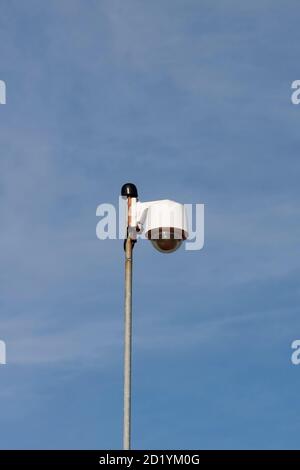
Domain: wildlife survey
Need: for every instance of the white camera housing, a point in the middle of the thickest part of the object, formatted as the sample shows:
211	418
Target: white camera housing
164	222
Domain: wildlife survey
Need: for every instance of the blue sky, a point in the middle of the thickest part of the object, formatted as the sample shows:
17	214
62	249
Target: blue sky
191	101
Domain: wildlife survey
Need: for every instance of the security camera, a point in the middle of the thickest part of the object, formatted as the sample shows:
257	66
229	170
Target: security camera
164	223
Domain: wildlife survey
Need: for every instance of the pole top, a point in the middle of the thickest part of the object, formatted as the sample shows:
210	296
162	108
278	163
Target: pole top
129	190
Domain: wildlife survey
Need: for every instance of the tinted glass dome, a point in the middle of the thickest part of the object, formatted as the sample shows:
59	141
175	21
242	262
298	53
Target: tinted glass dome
166	239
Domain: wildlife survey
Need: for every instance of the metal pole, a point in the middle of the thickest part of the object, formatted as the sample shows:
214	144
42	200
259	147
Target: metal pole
127	344
128	190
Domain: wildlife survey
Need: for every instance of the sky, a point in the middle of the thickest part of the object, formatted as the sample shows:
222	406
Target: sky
191	101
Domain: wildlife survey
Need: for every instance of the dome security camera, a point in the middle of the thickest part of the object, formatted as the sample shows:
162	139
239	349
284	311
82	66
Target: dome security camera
165	224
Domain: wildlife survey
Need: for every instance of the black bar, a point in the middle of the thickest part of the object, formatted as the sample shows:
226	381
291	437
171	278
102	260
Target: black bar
141	458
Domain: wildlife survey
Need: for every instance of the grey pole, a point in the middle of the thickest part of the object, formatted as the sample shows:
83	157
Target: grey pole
128	190
127	344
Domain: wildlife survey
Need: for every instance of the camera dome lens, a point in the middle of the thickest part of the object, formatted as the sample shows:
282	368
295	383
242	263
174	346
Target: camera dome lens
166	246
166	239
